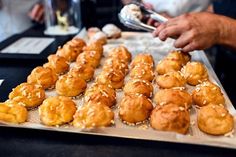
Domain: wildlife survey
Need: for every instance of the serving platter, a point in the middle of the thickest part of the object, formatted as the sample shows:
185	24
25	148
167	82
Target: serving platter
138	42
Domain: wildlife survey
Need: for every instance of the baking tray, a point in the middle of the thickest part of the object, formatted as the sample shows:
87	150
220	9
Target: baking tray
138	42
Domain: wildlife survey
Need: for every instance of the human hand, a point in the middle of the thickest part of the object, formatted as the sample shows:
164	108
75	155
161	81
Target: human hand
37	13
195	31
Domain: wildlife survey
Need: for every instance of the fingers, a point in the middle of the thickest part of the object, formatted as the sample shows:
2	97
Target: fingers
183	40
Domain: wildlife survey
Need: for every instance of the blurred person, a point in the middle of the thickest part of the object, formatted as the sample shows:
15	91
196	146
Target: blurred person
17	16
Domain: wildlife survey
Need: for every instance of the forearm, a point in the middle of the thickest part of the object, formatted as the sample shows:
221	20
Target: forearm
227	31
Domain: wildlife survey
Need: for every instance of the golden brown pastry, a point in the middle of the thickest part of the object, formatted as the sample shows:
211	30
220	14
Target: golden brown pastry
170	117
71	49
101	93
171	79
99	37
92	31
29	94
135	108
138	86
71	86
144	58
45	77
121	53
57	63
13	112
57	110
179	97
93	115
114	78
215	120
113	63
95	46
88	58
83	71
172	62
142	71
112	31
207	93
195	73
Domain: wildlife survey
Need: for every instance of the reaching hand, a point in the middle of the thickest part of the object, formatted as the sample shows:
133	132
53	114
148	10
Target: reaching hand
37	13
195	31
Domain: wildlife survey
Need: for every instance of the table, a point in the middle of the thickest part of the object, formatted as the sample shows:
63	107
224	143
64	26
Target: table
27	142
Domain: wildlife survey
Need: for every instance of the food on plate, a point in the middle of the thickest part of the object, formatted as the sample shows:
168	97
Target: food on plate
71	86
135	108
114	63
95	46
83	71
195	73
207	93
174	61
71	49
170	117
179	97
45	77
57	63
101	93
215	120
93	115
138	86
114	78
112	31
171	79
88	58
142	71
142	58
13	112
120	53
92	31
30	94
99	37
57	110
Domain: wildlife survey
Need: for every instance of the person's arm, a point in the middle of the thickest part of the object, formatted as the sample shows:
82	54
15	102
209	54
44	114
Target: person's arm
198	31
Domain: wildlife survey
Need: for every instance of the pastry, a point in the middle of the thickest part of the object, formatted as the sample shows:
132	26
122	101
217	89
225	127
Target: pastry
71	49
92	115
92	31
13	112
31	95
112	31
99	37
215	120
88	58
170	117
57	110
207	93
57	63
142	71
138	86
174	61
95	46
120	53
69	85
195	73
45	77
114	78
144	58
101	93
135	108
179	97
83	71
171	79
113	63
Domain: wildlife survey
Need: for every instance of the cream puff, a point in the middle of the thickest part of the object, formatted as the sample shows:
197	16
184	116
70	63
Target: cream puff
83	71
57	110
31	95
45	77
120	53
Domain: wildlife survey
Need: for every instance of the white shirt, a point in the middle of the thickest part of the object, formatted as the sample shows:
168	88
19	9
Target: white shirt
13	17
178	7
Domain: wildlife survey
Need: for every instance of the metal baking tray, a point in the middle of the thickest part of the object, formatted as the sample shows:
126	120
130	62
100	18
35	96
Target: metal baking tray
138	42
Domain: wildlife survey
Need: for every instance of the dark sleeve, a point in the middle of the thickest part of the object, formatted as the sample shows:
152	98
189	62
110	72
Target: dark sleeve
225	7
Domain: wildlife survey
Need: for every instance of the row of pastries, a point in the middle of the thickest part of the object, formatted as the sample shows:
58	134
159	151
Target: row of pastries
73	66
